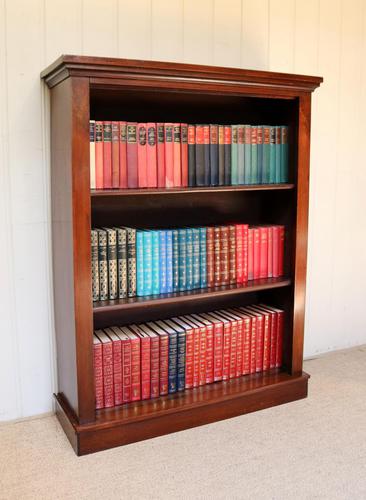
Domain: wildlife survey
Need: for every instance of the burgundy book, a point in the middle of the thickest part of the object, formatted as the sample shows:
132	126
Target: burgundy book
266	335
270	252
107	350
239	236
246	339
209	347
253	338
177	169
210	256
145	354
126	363
135	366
154	360
280	332
239	342
218	333
256	253
196	349
250	254
272	334
226	344
184	153
115	155
132	168
224	254
281	251
117	365
169	155
217	256
263	252
164	356
245	252
151	159
259	338
233	343
98	155
203	348
160	154
141	155
107	155
189	350
98	372
122	155
232	254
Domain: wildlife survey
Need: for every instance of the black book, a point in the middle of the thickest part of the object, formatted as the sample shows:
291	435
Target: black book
227	147
206	147
191	155
214	155
221	154
200	156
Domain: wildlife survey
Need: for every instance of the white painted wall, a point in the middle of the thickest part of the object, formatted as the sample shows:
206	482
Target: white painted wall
321	37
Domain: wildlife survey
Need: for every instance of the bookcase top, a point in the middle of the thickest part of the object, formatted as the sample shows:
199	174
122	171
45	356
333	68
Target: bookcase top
106	67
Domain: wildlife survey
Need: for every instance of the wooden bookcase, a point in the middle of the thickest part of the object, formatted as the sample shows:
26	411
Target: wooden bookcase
103	88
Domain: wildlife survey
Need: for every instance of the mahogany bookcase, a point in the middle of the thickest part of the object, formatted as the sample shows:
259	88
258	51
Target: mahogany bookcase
84	88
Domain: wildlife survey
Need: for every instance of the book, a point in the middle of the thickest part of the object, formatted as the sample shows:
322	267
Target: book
112	263
92	153
210	264
191	155
107	354
172	355
103	264
226	344
217	256
184	154
189	259
98	372
200	156
241	155
203	257
163	288
117	365
107	155
218	331
275	251
234	155
214	155
278	154
281	250
247	154
148	262
189	351
256	253
145	356
169	155
232	254
169	261
221	155
263	252
196	257
270	252
132	161
160	151
259	339
115	154
239	237
175	260
141	155
233	342
177	172
202	348
151	157
154	360
227	155
266	155
123	155
163	356
126	363
182	262
122	262
206	155
259	154
246	342
155	249
250	254
181	353
284	154
196	349
254	156
245	252
95	265
230	313
140	264
131	261
272	155
135	365
99	155
209	346
224	255
267	322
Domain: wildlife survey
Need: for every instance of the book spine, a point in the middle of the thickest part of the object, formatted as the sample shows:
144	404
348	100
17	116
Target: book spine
169	261
250	254
253	345
227	149
162	262
241	157
226	351
206	149
151	158
189	259
184	153
155	263
259	344
132	162
107	155
115	154
278	154
172	363
280	328
272	155
103	265
233	348
247	154
108	384
210	257
131	262
224	255
95	264
284	154
135	369
270	252
218	351
182	252
99	155
239	236
181	361
127	372
263	252
203	257
256	253
169	155
247	327
196	357
189	358
177	172
117	372
203	348
145	368
254	156
200	156
234	155
164	364
160	154
217	256
245	252
154	363
273	340
122	262
196	257
122	155
98	376
141	155
221	155
92	153
275	251
266	342
175	244
191	155
239	349
259	154
281	250
232	254
209	354
214	155
112	263
140	263
148	264
266	155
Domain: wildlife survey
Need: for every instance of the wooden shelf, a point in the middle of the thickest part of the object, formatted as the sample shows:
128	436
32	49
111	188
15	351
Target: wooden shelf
190	190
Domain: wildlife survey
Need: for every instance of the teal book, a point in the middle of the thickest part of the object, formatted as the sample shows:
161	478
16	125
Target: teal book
139	263
189	259
272	155
266	154
278	155
175	245
254	157
259	154
148	264
284	154
203	257
169	261
234	155
241	165
162	262
182	275
196	257
247	153
155	263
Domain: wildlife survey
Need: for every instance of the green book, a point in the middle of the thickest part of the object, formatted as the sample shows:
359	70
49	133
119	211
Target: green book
278	155
284	154
259	154
247	153
241	164
266	154
254	154
234	155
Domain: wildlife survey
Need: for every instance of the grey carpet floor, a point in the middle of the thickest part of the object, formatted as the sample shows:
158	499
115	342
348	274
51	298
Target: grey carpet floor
310	449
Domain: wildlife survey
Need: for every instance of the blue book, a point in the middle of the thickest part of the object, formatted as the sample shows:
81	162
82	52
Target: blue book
147	238
247	154
241	160
155	263
272	155
175	260
181	354
182	259
284	154
162	262
196	258
139	263
259	154
266	154
172	356
189	259
254	155
203	257
278	155
169	261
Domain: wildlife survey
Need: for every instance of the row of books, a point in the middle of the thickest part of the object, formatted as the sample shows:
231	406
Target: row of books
127	262
139	362
167	155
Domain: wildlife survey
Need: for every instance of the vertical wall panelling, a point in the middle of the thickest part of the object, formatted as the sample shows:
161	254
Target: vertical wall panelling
134	29
167	30
227	33
100	27
198	31
254	43
281	35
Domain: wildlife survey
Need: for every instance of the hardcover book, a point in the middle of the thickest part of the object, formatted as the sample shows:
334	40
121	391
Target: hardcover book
148	262
155	289
160	155
214	155
200	156
122	262
169	155
221	155
92	153
254	156
177	174
126	363
241	155
103	264
184	153
107	155
123	155
107	353
151	157
99	155
206	148
117	365
98	372
112	263
227	149
141	155
234	155
95	264
191	155
132	162
115	154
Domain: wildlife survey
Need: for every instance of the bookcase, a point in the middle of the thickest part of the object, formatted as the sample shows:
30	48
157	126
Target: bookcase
84	88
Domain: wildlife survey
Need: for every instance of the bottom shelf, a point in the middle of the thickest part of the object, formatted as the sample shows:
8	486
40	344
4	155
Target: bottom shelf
155	417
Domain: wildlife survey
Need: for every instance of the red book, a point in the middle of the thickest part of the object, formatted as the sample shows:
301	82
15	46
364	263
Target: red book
99	155
115	154
232	254
250	254
270	251
226	344
141	155
266	335
122	155
218	332
196	349
169	155
281	250
107	155
117	365
135	366
210	256
154	361
256	252
247	333
263	252
126	364
203	348
272	334
233	342
253	338
209	347
217	256
224	254
151	159
160	154
259	338
107	350
164	356
98	372
145	353
239	253
177	169
280	333
184	153
189	351
239	342
132	165
245	253
276	244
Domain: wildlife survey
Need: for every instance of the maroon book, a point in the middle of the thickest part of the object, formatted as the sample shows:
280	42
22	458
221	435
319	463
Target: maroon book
224	255
107	350
196	349
163	355
184	153
232	254
209	347
210	256
117	365
126	363
203	348
98	372
239	253
135	366
226	344
145	353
